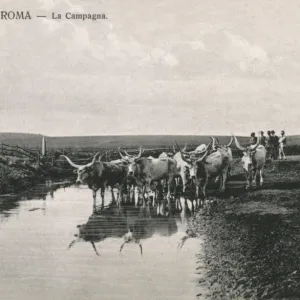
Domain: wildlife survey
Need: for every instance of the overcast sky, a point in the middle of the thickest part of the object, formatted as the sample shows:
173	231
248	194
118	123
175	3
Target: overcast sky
153	67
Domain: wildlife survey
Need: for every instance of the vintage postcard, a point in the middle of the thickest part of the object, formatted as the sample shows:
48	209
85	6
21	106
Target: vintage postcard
149	150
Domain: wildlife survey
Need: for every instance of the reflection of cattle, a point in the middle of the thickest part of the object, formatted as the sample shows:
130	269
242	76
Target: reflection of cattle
254	159
132	224
98	174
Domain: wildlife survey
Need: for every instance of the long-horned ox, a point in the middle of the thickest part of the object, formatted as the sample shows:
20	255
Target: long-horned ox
97	175
211	164
147	170
228	149
253	160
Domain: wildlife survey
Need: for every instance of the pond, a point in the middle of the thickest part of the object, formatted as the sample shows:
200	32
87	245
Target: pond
37	228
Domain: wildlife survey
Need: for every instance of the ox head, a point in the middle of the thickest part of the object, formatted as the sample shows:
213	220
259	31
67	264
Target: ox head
84	172
131	159
248	154
191	159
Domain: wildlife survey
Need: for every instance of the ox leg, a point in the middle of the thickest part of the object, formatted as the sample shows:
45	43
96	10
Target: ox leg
197	195
223	181
217	179
229	172
143	196
261	179
203	190
255	172
248	184
94	201
113	199
178	204
102	197
137	194
169	196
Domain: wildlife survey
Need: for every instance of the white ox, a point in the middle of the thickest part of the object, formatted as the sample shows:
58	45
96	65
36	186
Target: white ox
148	170
210	165
254	160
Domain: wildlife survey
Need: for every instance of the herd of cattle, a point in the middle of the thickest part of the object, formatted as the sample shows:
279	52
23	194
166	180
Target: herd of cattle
138	176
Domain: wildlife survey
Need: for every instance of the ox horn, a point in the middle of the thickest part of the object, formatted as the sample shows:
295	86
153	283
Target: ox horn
206	152
184	149
231	141
140	153
71	163
213	142
138	156
130	156
122	156
256	145
238	144
94	159
182	154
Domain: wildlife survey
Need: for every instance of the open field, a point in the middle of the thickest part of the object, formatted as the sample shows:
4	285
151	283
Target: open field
105	142
95	143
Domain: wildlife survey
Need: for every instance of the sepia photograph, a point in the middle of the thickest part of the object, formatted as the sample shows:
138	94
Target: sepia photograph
149	150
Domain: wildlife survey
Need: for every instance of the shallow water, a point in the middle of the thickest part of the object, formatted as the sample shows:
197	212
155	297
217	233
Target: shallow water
36	262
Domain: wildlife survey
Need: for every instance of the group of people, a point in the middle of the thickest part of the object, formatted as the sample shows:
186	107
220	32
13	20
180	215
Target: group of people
275	145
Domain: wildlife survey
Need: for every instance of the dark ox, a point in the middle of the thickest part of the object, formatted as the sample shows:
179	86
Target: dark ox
253	160
147	170
97	175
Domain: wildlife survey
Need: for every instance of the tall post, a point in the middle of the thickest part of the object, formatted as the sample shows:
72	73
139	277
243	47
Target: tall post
44	150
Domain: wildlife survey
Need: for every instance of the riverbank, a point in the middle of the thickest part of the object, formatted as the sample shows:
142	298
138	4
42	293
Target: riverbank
252	241
19	174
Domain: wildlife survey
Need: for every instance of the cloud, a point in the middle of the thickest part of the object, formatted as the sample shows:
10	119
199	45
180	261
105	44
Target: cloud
250	57
161	57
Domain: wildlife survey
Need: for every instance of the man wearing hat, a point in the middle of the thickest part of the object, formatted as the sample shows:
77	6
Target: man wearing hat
274	145
268	143
253	139
262	139
282	144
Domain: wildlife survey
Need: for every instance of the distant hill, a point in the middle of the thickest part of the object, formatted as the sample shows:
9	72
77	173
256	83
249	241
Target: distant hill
114	141
127	141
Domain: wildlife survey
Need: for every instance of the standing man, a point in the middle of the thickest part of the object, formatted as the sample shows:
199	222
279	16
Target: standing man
282	145
253	139
268	143
275	141
262	139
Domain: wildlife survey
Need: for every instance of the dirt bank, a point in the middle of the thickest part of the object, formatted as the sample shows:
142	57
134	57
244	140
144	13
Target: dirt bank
252	240
17	174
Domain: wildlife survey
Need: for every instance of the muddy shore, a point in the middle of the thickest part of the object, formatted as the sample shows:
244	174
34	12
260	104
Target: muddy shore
252	239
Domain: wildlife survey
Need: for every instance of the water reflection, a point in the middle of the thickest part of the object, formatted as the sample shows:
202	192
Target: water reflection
131	223
35	258
9	204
